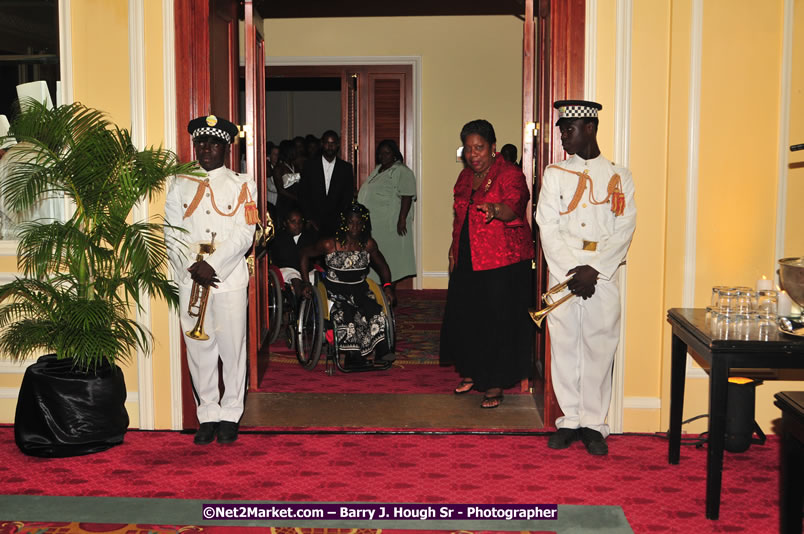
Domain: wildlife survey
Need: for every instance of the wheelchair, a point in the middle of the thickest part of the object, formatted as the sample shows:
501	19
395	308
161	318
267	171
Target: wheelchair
281	308
315	332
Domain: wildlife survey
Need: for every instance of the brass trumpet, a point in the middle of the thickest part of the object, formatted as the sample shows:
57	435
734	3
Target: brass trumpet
199	295
539	315
262	235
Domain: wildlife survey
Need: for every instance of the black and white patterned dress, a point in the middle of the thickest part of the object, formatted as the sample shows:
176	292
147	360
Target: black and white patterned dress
358	318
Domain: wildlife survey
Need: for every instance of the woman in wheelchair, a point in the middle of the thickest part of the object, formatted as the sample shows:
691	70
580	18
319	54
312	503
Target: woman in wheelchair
358	319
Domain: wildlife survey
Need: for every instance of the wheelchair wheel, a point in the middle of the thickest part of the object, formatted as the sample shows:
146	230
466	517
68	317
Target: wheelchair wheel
275	306
310	331
390	324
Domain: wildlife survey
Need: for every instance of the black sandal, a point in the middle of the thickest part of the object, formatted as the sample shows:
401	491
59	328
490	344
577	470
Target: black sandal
496	400
464	387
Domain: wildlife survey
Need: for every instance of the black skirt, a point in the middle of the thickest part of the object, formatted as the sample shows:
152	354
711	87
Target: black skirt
487	333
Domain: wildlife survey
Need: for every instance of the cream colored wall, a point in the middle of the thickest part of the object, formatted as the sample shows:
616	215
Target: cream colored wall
463	78
100	57
647	159
101	79
650	55
737	175
155	135
794	220
794	237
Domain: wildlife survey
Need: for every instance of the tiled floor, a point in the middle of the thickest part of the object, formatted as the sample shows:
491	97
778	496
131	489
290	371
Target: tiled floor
416	411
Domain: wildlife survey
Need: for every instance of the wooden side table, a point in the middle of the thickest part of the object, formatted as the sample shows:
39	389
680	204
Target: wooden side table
719	357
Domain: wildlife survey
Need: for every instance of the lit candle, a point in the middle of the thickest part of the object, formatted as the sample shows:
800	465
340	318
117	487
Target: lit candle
784	306
764	284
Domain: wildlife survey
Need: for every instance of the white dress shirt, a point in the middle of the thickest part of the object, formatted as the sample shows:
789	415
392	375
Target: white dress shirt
329	166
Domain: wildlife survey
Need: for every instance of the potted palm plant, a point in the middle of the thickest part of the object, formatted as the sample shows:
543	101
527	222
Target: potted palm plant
81	278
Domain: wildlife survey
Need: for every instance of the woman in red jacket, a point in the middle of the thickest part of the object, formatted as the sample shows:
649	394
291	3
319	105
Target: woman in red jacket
487	332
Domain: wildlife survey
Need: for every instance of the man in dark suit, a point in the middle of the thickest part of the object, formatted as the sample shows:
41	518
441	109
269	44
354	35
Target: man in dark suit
327	186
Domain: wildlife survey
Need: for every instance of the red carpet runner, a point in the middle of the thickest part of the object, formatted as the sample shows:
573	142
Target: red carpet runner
655	496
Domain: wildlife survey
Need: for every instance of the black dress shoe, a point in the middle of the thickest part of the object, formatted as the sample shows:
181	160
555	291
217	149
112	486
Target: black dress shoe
594	441
227	432
205	433
563	438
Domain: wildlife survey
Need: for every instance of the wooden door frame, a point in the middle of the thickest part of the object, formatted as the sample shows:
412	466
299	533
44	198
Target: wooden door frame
191	49
192	100
256	158
329	66
562	77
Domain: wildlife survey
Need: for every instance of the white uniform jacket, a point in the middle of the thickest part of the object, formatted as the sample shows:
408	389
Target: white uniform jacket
233	236
563	236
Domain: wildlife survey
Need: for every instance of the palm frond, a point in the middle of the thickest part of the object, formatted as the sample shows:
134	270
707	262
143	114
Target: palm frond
84	276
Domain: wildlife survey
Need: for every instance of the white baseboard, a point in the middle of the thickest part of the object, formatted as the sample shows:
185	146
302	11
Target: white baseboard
642	403
10	367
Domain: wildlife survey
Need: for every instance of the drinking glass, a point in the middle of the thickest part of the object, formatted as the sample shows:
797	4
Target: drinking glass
767	301
746	325
746	300
727	300
765	328
715	303
726	326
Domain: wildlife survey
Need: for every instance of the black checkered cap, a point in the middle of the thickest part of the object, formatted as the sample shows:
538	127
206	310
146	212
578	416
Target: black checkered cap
214	126
576	109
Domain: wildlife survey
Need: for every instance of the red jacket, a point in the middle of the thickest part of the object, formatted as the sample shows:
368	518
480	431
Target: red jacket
497	243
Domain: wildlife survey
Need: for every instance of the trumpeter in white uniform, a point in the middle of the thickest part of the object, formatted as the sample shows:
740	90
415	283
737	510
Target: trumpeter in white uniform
586	216
217	208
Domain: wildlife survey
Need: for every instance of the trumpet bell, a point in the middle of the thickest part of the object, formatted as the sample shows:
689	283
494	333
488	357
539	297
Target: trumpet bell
538	316
198	333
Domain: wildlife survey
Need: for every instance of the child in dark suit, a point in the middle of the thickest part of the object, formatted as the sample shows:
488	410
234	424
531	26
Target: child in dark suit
286	246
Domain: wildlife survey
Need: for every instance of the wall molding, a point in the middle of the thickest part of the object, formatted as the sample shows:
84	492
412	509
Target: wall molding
9	393
642	403
784	130
416	66
136	48
10	367
170	142
435	274
8	247
590	51
622	145
66	51
693	133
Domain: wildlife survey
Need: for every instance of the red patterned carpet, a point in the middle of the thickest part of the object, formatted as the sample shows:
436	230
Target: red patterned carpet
655	496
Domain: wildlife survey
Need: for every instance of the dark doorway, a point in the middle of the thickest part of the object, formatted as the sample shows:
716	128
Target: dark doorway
29	48
302	106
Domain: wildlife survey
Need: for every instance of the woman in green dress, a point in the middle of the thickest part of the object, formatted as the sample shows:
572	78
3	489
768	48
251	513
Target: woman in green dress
388	193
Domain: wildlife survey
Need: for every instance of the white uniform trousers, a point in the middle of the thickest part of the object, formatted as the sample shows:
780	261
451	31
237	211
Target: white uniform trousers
584	335
225	324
